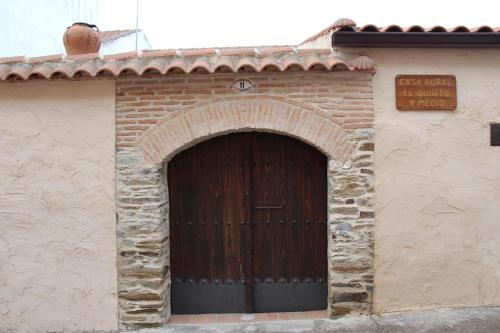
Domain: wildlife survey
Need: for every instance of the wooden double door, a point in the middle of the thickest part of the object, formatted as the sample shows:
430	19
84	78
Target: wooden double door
248	223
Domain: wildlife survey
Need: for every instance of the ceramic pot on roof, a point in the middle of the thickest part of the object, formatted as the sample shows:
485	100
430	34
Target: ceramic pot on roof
81	38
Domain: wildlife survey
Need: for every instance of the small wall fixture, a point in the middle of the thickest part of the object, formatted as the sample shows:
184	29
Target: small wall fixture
495	134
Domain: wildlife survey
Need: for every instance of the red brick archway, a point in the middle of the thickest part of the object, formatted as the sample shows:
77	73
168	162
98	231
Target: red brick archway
142	199
183	129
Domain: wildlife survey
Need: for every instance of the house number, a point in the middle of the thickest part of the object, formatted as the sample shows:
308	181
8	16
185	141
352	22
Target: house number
242	85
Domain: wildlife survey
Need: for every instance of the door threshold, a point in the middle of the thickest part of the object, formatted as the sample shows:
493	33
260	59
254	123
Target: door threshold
218	318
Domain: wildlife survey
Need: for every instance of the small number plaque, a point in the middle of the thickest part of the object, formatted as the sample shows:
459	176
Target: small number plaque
242	85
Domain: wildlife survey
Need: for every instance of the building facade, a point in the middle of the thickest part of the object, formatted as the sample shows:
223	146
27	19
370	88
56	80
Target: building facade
132	180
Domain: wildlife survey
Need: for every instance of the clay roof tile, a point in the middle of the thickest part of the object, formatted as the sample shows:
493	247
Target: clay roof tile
159	53
166	61
223	63
44	70
197	52
87	56
396	28
293	61
158	64
4	71
47	58
238	51
269	50
7	60
177	65
110	35
200	65
64	69
362	63
248	63
88	68
21	71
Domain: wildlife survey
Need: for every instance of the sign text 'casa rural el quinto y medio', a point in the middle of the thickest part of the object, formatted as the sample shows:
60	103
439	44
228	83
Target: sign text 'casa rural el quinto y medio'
426	92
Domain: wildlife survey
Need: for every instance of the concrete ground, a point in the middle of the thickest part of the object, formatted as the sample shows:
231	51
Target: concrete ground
463	320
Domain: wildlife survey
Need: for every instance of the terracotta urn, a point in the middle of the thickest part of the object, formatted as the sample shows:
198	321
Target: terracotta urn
81	38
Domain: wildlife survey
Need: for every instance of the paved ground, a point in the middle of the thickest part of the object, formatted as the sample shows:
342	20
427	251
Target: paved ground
464	320
246	318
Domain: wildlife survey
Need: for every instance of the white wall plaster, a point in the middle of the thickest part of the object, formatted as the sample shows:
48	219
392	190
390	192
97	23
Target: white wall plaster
57	210
437	185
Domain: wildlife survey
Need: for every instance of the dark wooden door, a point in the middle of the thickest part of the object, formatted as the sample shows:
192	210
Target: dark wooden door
248	225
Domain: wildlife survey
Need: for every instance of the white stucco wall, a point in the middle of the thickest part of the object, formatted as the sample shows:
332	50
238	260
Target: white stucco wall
57	212
36	27
437	239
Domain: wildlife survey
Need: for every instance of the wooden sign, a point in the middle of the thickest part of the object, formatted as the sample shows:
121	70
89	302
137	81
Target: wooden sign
426	92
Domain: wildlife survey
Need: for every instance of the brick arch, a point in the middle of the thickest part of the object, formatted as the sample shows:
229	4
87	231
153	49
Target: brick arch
143	250
187	127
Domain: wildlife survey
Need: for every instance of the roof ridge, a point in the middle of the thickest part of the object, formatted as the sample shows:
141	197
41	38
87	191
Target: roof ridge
109	35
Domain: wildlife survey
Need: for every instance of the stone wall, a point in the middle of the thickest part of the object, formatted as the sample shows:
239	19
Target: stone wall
352	217
159	116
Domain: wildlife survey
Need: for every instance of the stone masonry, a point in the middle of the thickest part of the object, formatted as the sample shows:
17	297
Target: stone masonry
159	116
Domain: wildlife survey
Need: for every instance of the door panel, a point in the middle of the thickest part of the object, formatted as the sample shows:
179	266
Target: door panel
248	225
207	207
289	225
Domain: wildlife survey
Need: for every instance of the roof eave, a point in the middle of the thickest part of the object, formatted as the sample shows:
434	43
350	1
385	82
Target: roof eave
416	39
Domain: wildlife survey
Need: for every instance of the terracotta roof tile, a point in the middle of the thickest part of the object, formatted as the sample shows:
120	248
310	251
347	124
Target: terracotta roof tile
159	53
293	61
64	69
53	57
248	63
349	25
269	62
176	64
257	59
362	63
197	52
11	59
43	70
484	28
4	71
110	35
338	24
86	56
223	63
414	28
369	28
118	56
111	67
269	50
313	51
313	60
200	64
87	68
238	51
337	64
437	28
22	70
